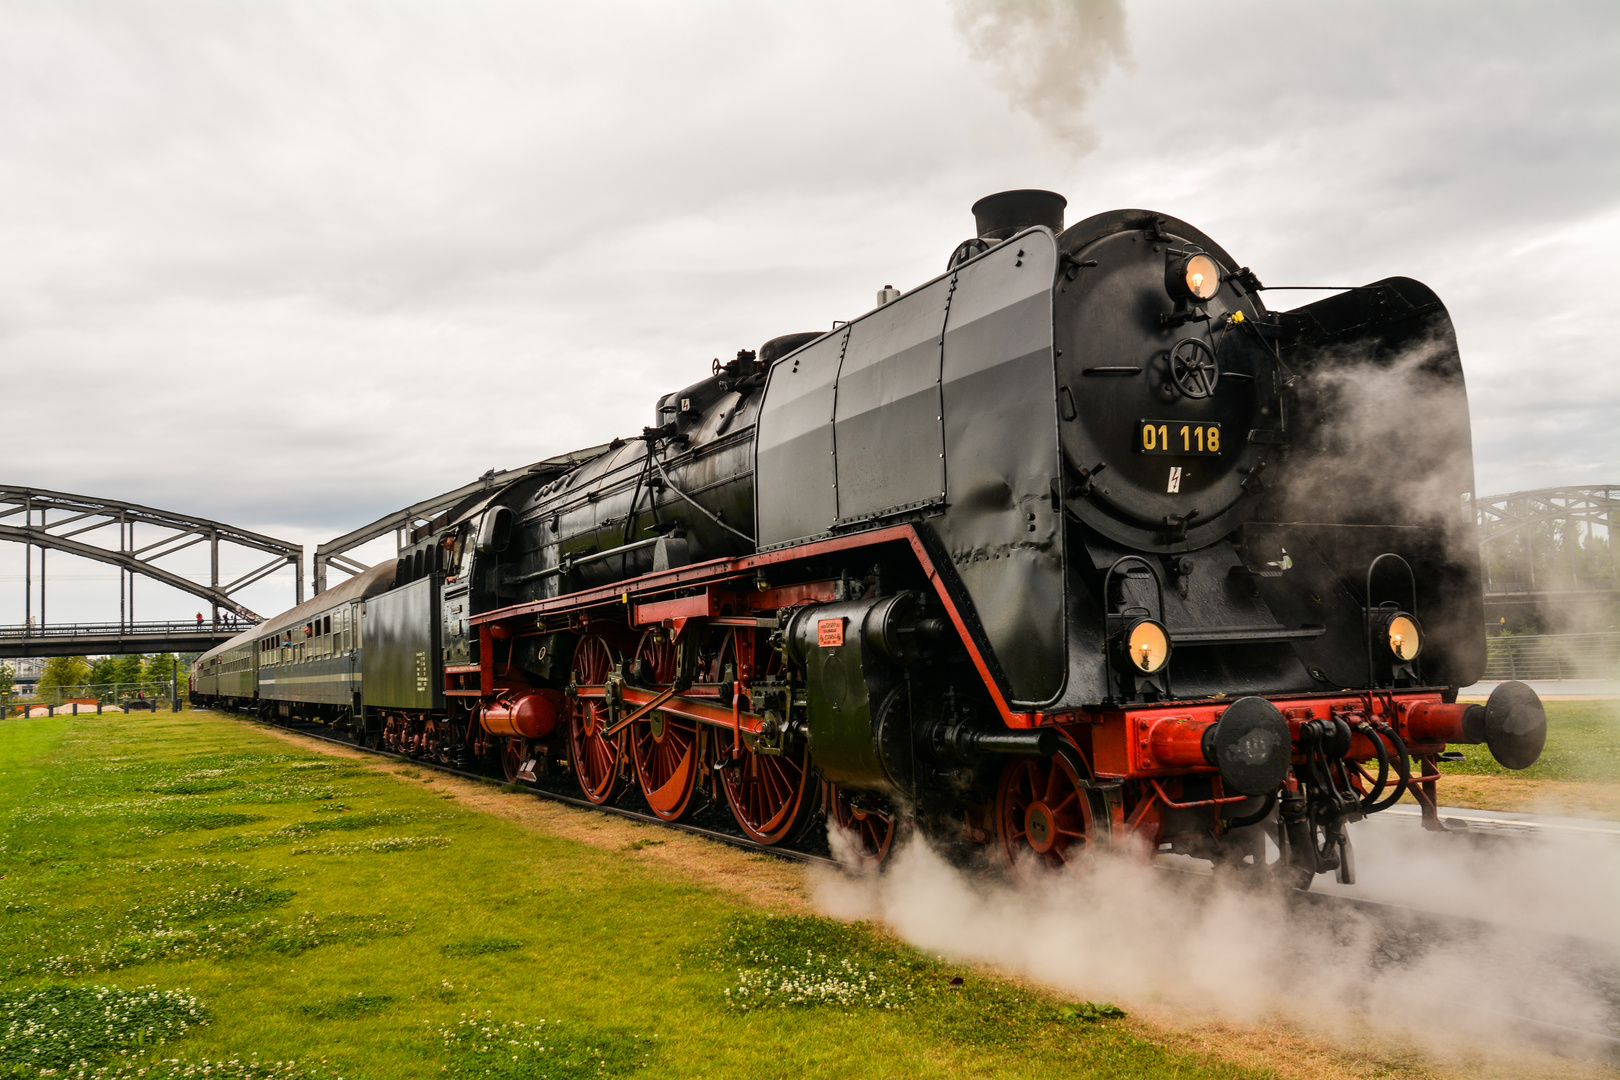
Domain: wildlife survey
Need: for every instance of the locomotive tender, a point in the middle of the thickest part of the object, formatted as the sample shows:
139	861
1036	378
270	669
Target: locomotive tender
1078	543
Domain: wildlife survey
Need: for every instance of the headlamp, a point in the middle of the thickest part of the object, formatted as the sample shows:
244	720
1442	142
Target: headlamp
1147	646
1402	637
1194	276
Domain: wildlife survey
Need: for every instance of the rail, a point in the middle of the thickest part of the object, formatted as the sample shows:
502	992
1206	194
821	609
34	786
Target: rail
178	627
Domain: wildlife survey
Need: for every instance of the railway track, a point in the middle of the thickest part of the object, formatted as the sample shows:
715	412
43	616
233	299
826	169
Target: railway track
1405	931
711	831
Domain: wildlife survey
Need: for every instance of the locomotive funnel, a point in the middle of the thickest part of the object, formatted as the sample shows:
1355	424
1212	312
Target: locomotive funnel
1001	215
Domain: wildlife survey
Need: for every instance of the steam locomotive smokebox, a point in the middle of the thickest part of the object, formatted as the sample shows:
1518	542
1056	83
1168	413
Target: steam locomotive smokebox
1007	213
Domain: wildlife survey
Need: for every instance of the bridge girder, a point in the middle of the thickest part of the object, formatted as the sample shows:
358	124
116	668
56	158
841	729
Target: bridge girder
1502	516
79	515
1505	518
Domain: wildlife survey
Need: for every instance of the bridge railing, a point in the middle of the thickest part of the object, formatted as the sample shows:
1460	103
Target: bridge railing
178	627
1552	656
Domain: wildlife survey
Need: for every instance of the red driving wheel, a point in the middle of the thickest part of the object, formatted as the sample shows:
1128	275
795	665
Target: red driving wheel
872	830
513	755
664	747
1044	813
597	759
772	796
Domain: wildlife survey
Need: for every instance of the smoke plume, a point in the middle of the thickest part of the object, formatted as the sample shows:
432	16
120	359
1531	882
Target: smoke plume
1209	947
1387	441
1049	57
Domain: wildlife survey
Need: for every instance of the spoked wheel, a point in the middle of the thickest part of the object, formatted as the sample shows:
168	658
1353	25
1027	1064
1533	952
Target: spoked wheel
513	755
393	734
1046	815
664	747
443	740
598	760
871	830
773	796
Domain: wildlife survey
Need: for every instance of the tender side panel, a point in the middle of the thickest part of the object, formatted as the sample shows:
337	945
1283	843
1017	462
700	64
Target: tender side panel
1001	448
890	451
401	658
796	485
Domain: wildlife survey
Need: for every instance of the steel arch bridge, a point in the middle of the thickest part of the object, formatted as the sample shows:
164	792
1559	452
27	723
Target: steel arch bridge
78	525
1506	519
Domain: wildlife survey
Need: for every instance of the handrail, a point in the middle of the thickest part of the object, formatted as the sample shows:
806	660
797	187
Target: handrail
70	630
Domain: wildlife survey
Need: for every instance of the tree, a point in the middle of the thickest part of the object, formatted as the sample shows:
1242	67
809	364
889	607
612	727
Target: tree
64	673
159	670
104	670
127	669
108	672
8	680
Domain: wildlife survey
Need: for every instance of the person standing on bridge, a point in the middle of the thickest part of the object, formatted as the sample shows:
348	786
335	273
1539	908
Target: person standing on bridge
199	620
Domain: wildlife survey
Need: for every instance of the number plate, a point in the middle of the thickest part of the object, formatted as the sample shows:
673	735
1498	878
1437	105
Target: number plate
1178	438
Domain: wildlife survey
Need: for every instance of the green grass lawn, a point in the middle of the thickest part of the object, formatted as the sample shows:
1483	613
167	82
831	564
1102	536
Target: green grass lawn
181	889
1583	744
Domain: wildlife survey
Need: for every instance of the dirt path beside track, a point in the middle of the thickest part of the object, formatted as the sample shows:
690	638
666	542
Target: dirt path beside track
764	880
1520	795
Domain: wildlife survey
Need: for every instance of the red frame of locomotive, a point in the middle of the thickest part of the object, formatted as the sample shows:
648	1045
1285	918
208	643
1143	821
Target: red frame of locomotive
1155	745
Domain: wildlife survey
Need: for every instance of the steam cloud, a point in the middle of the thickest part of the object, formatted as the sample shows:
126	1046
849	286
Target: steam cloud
1208	947
1049	57
1389	442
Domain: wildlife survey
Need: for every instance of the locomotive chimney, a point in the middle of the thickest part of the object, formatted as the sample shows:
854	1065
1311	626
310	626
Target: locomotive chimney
1001	215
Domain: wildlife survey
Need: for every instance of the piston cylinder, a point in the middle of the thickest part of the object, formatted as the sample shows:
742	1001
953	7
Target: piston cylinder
532	714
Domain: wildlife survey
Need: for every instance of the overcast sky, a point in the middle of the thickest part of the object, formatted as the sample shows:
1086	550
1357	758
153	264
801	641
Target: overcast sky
294	266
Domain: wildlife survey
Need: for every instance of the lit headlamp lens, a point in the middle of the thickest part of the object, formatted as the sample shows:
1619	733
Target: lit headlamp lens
1191	276
1202	277
1403	637
1148	646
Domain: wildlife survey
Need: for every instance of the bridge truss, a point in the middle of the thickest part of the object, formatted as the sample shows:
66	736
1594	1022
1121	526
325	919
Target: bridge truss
1564	521
104	530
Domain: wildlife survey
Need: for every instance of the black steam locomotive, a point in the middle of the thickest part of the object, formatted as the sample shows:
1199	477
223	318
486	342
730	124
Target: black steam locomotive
1078	541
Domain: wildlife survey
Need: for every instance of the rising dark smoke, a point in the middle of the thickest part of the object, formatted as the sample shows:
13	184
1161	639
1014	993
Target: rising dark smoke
1049	57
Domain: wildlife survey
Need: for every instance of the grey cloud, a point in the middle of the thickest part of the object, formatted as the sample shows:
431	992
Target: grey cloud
296	265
